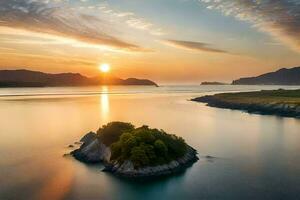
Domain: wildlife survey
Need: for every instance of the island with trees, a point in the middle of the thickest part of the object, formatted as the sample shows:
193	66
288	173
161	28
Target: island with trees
135	152
272	102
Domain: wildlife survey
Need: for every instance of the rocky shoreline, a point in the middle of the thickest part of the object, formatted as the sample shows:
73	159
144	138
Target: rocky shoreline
93	150
127	169
272	108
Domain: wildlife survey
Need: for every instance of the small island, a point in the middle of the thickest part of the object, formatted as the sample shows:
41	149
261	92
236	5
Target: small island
135	152
213	83
280	102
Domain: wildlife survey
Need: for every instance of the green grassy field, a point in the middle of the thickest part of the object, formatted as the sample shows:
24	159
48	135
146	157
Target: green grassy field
290	97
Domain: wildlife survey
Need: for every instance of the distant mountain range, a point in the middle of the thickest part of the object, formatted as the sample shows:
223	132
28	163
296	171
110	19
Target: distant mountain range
283	76
27	78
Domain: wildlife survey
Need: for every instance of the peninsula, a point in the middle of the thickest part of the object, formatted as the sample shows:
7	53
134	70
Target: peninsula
27	78
272	102
135	152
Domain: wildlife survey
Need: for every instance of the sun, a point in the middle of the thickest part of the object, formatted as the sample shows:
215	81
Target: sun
104	68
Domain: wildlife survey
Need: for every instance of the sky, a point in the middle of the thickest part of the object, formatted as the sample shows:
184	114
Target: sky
168	41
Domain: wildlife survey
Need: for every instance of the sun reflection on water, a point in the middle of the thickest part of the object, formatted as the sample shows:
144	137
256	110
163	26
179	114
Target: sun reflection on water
104	101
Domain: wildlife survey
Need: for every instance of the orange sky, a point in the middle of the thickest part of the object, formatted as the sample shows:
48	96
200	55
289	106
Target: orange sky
139	41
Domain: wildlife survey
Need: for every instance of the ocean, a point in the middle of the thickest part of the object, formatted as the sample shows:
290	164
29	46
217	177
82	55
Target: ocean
255	156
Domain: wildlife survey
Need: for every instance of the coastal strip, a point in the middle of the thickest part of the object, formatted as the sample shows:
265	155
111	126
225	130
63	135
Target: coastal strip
285	103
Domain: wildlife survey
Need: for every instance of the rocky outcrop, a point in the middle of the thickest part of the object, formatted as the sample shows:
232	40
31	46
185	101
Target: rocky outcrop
93	150
88	138
127	169
279	109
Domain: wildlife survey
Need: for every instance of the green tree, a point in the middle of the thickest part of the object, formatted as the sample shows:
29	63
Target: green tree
139	157
160	147
150	152
144	146
127	144
111	132
116	151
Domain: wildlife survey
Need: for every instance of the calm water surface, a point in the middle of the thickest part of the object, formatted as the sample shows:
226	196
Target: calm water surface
257	157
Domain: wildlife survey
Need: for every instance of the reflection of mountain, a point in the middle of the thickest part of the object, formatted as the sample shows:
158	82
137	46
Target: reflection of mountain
281	77
26	78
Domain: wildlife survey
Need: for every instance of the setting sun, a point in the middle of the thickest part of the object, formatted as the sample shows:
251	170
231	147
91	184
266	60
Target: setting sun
104	67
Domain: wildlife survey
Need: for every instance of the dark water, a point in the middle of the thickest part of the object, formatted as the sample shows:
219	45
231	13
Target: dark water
257	157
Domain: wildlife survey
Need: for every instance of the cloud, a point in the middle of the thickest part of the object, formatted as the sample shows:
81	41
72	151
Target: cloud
280	18
133	21
190	45
58	19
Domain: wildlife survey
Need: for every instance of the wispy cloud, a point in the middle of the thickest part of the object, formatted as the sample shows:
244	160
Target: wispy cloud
56	59
194	46
132	20
57	19
280	18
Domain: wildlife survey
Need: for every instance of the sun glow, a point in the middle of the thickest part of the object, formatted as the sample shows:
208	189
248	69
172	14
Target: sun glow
104	68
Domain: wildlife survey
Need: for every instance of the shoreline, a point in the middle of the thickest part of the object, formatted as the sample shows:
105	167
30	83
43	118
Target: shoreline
126	170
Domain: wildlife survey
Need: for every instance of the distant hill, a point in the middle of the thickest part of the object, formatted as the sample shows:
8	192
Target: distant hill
283	76
213	83
27	78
